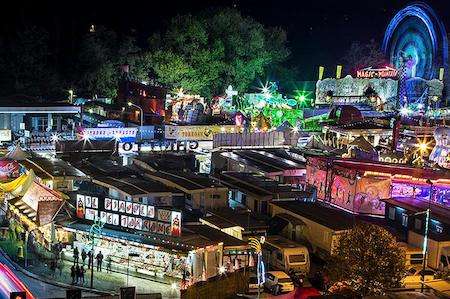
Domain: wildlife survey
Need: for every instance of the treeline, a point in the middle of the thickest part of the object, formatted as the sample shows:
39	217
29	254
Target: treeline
202	53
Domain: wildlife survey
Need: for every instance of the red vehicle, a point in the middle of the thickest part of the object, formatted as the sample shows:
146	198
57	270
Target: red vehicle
306	293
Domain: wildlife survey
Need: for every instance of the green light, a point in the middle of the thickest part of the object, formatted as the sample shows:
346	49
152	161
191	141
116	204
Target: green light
302	98
279	113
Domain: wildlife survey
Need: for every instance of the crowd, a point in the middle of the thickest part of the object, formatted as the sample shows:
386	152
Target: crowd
77	272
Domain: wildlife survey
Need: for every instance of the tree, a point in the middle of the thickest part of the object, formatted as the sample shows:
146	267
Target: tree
363	55
101	54
368	260
207	52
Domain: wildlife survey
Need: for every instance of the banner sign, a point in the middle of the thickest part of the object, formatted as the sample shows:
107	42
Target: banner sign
129	215
386	72
198	133
122	134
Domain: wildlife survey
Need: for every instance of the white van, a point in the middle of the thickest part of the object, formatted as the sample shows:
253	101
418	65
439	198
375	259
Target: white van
283	254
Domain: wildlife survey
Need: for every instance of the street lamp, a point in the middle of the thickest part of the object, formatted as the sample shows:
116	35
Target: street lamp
427	213
130	104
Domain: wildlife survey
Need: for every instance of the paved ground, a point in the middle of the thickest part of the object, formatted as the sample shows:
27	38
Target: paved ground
109	282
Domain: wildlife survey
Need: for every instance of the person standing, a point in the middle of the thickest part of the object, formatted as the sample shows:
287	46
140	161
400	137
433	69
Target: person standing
82	271
60	267
90	258
77	274
72	274
53	267
108	264
99	261
83	256
75	255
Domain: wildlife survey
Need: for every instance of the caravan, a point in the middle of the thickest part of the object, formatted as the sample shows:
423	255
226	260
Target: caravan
283	254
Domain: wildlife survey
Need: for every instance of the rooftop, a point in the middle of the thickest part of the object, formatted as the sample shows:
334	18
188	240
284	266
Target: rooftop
259	185
109	173
270	158
23	103
167	161
251	163
199	233
225	218
327	216
47	167
186	181
133	185
438	212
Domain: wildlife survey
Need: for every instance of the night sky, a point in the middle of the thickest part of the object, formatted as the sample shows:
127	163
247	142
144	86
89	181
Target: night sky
319	32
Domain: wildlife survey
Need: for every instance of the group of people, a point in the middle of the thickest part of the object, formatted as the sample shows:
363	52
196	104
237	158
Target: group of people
90	256
77	274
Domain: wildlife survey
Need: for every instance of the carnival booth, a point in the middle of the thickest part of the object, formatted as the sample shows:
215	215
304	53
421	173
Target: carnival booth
34	207
141	238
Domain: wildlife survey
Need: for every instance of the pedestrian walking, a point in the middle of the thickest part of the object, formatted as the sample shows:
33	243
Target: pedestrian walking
90	258
108	264
77	274
99	261
82	271
60	267
53	267
73	274
83	256
75	255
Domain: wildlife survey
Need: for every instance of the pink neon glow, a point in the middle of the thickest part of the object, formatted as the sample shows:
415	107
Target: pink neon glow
9	282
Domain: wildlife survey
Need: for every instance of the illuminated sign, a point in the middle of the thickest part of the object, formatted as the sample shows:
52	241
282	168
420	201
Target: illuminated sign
386	72
159	146
130	215
196	132
123	134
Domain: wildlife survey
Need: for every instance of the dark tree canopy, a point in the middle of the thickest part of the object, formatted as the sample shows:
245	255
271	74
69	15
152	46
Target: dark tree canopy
207	52
98	66
368	260
361	55
202	53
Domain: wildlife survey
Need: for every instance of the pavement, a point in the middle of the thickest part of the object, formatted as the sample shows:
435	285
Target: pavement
104	282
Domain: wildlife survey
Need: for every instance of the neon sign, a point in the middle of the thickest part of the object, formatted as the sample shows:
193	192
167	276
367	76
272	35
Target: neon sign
369	72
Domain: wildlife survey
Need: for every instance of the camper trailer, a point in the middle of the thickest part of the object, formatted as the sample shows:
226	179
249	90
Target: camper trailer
286	255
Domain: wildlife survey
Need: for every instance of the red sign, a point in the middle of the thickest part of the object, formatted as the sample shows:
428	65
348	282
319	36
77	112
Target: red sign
386	72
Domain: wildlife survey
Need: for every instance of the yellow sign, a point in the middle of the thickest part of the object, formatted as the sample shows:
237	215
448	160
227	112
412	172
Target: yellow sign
198	133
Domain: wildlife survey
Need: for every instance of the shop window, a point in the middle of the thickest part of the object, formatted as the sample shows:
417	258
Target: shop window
405	220
392	213
42	124
215	196
418	224
439	229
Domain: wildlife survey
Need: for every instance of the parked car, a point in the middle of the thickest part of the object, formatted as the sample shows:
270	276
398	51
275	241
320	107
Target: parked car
278	282
253	285
414	278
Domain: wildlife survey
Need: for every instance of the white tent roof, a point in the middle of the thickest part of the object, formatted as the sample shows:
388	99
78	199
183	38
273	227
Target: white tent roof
17	154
